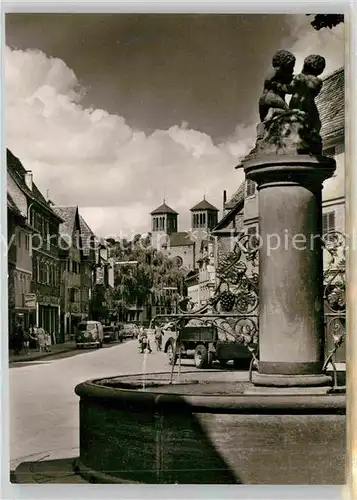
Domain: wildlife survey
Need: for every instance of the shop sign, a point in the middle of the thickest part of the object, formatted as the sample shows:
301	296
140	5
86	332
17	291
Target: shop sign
48	300
30	300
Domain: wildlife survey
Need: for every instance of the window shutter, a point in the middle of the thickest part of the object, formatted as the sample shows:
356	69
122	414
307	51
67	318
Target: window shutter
332	221
328	222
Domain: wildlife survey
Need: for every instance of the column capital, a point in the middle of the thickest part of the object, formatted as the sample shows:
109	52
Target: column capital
290	169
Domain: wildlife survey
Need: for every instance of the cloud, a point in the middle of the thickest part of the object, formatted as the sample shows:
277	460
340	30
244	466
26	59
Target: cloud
329	43
117	175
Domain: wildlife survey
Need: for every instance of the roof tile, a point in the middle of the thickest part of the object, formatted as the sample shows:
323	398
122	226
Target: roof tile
163	209
331	104
204	205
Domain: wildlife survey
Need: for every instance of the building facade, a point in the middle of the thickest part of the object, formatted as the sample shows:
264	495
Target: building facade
75	271
19	266
44	308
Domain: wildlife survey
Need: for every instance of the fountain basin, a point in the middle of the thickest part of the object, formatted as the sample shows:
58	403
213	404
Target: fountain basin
204	430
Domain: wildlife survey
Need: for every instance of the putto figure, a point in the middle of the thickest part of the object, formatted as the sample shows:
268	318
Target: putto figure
305	87
277	85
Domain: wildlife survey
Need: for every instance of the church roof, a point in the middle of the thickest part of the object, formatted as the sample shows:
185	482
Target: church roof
331	105
204	205
163	209
180	239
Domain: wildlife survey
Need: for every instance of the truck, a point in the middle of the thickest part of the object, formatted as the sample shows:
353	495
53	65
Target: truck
203	345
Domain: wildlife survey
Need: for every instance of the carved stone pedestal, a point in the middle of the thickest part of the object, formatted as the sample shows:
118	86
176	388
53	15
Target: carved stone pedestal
291	322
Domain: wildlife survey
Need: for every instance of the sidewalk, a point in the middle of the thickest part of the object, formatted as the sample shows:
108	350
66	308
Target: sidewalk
34	355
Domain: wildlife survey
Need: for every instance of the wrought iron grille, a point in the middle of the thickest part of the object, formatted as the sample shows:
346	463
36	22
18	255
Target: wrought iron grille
234	306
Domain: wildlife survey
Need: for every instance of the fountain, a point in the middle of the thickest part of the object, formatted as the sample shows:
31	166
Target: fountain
286	425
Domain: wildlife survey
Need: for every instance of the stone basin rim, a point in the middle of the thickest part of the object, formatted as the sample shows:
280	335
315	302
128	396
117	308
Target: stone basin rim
239	403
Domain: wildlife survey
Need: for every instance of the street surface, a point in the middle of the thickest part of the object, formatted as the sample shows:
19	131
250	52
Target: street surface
44	410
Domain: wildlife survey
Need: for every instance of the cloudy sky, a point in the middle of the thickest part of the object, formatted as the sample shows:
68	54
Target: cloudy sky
115	112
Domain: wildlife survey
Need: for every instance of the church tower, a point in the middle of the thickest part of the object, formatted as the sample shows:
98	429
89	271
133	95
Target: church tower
204	217
163	224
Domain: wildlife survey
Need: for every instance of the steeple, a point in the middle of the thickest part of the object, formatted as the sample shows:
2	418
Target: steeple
204	215
164	219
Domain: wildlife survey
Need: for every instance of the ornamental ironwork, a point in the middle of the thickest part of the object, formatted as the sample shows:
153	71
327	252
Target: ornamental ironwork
334	244
234	305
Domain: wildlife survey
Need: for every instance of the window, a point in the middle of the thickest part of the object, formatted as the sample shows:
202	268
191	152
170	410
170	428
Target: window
250	188
178	261
328	222
27	242
19	239
202	220
32	218
75	267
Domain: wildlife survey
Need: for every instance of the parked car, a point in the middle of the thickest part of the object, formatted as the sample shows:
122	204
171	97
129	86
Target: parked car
112	333
89	334
130	331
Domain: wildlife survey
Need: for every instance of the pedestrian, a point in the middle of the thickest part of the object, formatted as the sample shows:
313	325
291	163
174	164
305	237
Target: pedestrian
158	338
33	336
48	342
144	341
18	338
26	342
41	337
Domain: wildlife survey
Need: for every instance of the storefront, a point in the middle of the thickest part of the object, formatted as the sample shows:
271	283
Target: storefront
48	315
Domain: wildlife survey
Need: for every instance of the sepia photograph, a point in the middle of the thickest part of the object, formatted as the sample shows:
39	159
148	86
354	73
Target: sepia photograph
176	248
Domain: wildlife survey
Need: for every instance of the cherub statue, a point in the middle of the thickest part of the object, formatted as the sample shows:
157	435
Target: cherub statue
305	87
277	85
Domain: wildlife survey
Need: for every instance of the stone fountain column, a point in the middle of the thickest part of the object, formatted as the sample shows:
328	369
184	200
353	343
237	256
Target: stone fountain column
291	323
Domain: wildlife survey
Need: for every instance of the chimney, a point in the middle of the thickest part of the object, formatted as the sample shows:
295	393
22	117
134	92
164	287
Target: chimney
224	198
29	179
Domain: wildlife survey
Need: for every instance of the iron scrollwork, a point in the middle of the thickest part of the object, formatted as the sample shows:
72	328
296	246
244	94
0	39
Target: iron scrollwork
233	308
334	245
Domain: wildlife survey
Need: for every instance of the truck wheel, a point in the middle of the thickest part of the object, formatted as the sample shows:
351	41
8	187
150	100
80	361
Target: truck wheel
202	359
170	351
